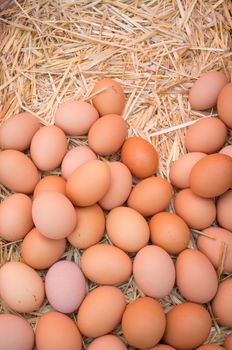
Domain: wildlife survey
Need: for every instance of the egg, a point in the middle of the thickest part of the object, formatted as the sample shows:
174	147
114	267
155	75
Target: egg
140	157
21	288
50	183
74	158
75	117
88	183
207	135
169	232
101	311
53	215
15	333
143	323
108	97
57	331
222	304
154	271
107	342
90	227
210	347
224	205
107	134
120	186
224	105
95	259
48	147
227	150
41	252
16	132
212	175
213	247
228	342
180	169
162	347
200	285
196	211
187	326
15	217
150	196
14	162
127	229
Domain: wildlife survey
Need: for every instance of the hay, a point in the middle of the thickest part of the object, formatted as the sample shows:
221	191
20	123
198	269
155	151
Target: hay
52	50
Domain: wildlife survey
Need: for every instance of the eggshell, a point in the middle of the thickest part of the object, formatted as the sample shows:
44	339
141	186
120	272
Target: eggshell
187	326
53	215
140	157
48	147
154	271
14	162
205	90
222	304
162	347
150	196
21	288
65	286
196	211
17	131
143	323
224	205
88	183
120	186
41	252
169	232
228	342
180	170
107	342
15	217
111	100
227	150
50	183
212	248
90	227
210	347
207	135
127	229
15	333
75	117
224	105
107	134
101	311
57	331
199	286
212	175
74	158
95	259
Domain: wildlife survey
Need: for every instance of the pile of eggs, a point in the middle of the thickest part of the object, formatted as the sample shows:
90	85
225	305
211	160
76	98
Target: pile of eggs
123	203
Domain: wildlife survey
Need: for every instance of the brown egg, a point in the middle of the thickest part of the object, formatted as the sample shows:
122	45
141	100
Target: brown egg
227	150
101	311
111	100
150	196
228	342
207	135
210	347
107	342
90	227
212	175
17	131
50	183
205	90
143	323
224	205
169	232
187	326
107	134
196	211
14	162
140	157
162	347
222	304
224	105
41	252
55	330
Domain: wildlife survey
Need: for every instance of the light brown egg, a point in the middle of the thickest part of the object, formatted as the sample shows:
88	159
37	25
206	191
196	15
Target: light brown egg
140	157
187	326
150	196
162	347
210	347
224	205
207	135
222	304
107	134
107	342
14	162
17	131
196	211
224	105
41	252
228	342
50	183
111	100
227	150
143	323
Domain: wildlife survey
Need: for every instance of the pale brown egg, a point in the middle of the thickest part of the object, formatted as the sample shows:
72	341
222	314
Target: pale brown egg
222	304
228	342
224	105
50	183
224	206
107	342
227	150
162	347
210	347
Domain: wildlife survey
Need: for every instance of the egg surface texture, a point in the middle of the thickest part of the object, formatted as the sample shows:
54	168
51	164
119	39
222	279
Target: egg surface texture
224	205
50	183
228	342
107	342
224	105
222	304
